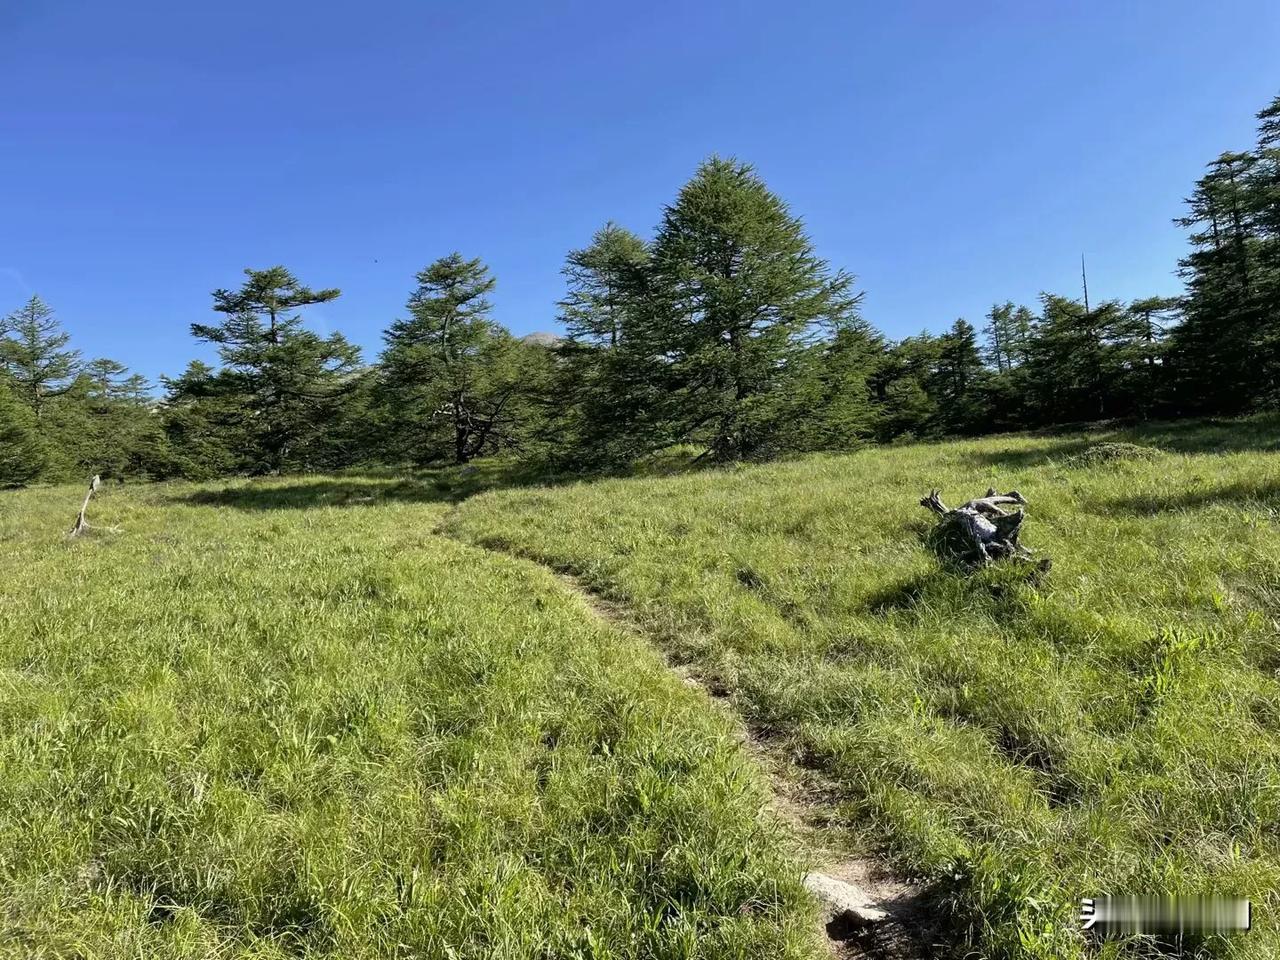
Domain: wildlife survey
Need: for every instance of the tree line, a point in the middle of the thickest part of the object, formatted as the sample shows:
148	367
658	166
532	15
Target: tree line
726	332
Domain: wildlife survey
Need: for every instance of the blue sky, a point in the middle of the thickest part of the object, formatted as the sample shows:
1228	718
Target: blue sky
947	154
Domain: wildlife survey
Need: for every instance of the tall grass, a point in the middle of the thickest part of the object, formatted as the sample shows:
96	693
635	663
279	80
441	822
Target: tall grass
1018	742
287	719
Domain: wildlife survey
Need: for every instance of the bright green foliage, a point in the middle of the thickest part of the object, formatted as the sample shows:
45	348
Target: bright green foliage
957	381
109	424
287	381
1019	741
606	284
90	417
452	378
726	334
1144	354
282	720
105	426
735	295
1222	348
836	407
900	385
34	355
22	454
205	423
1068	360
1071	364
603	400
1008	331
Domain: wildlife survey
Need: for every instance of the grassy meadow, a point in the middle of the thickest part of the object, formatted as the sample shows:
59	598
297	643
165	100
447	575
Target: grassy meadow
359	717
285	718
1111	728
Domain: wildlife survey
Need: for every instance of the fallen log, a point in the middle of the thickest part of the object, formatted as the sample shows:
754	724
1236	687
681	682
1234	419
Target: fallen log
981	530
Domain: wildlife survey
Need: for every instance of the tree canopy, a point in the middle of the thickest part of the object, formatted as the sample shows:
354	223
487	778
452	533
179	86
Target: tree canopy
725	332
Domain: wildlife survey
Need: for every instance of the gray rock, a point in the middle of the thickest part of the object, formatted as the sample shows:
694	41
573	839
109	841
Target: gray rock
542	339
844	901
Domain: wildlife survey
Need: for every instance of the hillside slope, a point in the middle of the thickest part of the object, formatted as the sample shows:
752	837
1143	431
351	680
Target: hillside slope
285	719
1019	744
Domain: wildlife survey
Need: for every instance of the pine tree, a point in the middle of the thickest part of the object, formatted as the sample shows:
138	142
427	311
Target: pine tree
106	378
35	356
736	295
899	385
203	420
1076	361
599	377
108	423
450	375
1264	205
22	453
291	381
1217	349
956	383
843	410
1007	332
603	280
1142	346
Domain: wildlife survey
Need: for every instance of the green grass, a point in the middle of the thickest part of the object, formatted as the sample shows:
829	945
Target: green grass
1111	729
288	719
340	717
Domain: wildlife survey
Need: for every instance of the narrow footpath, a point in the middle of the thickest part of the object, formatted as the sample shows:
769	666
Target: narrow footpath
867	912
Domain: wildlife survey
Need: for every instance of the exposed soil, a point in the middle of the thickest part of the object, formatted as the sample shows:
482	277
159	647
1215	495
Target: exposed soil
801	803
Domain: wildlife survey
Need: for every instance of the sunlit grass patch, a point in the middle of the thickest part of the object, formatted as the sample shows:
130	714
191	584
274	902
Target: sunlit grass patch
284	718
1111	727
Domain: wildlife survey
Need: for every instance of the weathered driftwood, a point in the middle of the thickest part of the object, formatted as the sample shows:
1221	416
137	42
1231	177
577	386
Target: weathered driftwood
982	529
82	524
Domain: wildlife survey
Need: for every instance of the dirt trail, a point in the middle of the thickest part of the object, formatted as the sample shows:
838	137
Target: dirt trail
868	911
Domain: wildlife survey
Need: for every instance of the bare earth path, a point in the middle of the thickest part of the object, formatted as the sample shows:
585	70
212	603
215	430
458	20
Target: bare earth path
868	911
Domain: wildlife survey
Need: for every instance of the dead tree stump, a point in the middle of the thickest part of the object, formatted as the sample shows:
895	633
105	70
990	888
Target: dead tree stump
981	530
82	524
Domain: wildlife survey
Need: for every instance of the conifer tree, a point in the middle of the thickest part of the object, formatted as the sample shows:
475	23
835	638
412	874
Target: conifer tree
1264	202
600	376
736	295
450	375
290	380
204	423
22	452
900	387
841	413
1142	347
1007	331
35	356
1066	360
603	280
1218	349
956	383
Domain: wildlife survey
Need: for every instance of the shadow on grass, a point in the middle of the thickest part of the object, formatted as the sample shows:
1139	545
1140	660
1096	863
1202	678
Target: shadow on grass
1017	458
1259	433
444	485
449	485
1241	493
958	582
908	594
307	494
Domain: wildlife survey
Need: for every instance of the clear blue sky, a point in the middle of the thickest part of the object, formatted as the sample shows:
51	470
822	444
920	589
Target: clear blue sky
948	154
